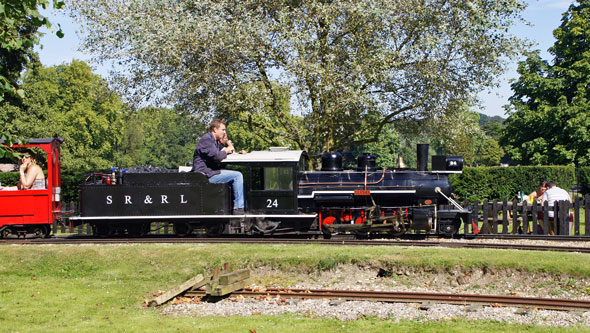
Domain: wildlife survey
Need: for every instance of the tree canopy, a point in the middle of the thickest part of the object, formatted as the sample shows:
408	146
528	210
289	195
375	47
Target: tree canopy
549	113
101	131
350	68
19	24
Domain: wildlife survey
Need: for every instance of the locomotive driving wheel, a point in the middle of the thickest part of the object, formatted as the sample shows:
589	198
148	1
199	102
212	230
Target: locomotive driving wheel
182	229
398	226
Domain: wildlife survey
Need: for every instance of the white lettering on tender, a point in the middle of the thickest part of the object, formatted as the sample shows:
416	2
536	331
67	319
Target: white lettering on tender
128	200
164	199
182	201
109	199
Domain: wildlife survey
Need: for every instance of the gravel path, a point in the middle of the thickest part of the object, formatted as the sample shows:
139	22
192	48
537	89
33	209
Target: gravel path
368	277
352	310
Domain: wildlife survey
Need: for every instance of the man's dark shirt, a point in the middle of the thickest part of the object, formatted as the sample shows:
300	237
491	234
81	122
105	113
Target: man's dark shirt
208	155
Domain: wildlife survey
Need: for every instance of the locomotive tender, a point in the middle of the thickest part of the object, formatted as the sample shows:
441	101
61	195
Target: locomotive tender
280	196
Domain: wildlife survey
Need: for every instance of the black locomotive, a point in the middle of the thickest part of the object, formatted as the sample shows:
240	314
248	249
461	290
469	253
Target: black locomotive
281	196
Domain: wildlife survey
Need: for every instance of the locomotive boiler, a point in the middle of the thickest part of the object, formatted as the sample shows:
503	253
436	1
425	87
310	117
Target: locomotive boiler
280	196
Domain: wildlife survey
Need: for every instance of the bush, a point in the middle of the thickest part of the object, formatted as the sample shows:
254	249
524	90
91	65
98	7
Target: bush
504	183
9	178
583	176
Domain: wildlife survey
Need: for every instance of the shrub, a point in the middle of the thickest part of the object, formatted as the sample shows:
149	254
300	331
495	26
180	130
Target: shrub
504	183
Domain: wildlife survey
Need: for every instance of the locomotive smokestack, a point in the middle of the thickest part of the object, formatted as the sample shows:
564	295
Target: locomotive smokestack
422	157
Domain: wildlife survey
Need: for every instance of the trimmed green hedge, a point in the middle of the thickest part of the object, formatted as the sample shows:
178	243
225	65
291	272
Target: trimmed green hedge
504	183
583	177
9	178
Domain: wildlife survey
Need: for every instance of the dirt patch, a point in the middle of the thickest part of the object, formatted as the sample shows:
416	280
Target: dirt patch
484	280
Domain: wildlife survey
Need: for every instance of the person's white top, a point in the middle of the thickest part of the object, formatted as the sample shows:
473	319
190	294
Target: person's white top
555	194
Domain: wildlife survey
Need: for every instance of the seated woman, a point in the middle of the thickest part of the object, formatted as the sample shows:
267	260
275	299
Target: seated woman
538	194
31	174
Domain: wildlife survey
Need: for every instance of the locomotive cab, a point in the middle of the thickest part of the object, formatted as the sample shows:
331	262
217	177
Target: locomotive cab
270	179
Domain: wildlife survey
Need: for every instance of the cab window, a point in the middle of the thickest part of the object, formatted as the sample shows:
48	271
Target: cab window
272	179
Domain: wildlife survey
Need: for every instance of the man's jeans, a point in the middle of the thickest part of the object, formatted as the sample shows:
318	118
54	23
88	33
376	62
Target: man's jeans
237	180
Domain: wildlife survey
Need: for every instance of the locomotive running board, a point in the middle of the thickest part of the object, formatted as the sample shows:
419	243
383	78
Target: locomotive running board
178	217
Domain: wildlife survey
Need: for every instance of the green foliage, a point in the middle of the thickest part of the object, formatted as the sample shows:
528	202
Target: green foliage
350	68
19	24
386	149
71	101
70	181
504	183
549	117
460	133
158	137
583	176
9	178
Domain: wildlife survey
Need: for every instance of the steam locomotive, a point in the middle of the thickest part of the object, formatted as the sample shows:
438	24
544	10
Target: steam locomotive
280	196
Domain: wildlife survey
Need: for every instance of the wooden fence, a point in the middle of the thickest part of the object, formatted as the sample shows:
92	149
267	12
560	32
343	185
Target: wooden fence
564	218
487	217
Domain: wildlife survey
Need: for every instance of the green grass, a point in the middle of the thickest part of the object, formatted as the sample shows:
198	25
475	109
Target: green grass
95	288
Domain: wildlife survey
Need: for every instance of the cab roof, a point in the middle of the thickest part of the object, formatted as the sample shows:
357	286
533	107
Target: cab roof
274	155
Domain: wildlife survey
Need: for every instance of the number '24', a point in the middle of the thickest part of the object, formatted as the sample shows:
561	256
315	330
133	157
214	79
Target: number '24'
272	203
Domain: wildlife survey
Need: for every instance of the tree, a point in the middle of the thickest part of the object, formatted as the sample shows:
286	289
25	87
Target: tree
71	101
351	67
160	137
549	113
19	24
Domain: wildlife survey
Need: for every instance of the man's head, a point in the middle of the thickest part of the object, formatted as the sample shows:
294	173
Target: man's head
551	184
217	128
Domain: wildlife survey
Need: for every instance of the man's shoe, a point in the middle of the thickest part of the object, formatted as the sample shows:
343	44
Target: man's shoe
239	211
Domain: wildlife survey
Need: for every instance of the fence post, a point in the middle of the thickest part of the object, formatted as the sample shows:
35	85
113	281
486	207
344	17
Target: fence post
534	214
166	224
495	212
484	226
505	217
545	218
587	215
577	216
514	217
525	218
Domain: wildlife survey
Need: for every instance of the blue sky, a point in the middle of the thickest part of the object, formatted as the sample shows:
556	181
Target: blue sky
544	15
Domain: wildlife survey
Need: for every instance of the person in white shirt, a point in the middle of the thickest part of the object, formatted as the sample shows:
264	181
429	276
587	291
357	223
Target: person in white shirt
554	194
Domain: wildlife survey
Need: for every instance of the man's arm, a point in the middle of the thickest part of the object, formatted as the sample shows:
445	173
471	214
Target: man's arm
208	147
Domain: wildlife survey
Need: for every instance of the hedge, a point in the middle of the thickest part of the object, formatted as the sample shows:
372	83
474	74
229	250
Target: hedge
504	183
583	176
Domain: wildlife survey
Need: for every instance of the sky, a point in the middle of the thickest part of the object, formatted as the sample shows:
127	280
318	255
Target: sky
544	15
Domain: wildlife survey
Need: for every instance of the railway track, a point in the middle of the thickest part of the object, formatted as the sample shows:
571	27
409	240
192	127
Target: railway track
410	297
335	242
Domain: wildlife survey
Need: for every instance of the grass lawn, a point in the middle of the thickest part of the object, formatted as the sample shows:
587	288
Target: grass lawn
102	287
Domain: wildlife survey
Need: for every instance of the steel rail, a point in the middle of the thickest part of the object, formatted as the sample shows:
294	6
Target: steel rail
336	242
410	297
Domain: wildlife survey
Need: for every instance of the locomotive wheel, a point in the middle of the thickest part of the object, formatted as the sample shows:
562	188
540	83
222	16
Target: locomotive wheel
182	229
5	233
214	229
398	229
41	231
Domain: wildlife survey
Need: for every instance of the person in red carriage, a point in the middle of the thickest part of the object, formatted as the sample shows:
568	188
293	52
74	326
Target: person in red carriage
31	175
